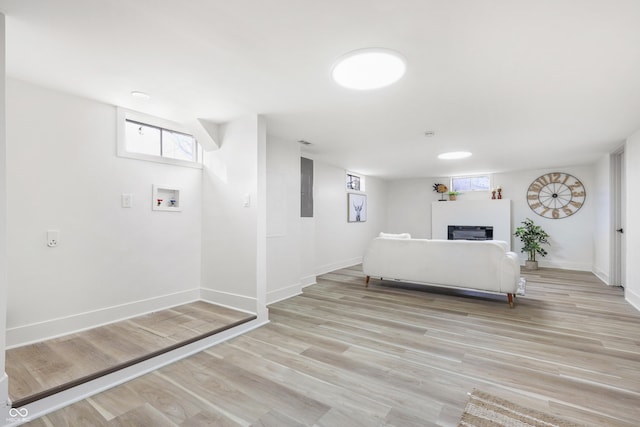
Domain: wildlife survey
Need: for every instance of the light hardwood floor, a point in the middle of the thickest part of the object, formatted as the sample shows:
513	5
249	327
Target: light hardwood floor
38	369
395	355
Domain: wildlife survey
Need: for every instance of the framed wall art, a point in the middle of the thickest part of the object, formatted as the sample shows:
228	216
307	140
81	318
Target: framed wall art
357	207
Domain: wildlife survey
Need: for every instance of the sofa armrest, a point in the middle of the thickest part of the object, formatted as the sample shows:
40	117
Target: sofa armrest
509	273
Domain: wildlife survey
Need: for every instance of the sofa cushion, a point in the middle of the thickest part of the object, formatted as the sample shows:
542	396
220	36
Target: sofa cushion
394	236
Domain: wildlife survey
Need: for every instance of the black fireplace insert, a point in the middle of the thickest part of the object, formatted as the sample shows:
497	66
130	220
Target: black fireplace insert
470	232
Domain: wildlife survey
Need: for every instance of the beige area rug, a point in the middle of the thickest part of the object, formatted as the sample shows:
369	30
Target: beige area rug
485	410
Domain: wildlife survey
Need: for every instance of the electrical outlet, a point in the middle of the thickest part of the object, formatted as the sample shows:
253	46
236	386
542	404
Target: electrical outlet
53	238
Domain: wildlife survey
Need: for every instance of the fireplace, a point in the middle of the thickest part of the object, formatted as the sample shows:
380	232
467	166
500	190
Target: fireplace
470	232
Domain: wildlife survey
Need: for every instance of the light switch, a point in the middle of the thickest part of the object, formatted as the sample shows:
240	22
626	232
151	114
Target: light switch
246	201
127	200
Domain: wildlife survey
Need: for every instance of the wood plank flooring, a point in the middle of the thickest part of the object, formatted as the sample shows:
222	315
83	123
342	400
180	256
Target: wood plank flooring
43	368
394	354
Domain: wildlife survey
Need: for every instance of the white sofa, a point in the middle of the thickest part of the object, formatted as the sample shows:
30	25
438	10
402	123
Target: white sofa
479	265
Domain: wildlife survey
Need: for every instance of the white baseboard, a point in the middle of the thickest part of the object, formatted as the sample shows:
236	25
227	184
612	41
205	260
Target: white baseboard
72	395
284	293
602	275
576	266
327	268
632	298
35	332
307	281
227	299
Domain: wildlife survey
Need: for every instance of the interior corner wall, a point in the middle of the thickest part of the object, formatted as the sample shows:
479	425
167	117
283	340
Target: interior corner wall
409	207
631	230
283	219
230	217
262	311
603	226
111	262
339	243
299	249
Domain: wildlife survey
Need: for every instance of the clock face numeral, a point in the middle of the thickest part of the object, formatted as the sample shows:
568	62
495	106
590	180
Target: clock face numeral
556	195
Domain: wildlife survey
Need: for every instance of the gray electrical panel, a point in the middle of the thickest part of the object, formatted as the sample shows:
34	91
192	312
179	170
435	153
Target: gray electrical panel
306	188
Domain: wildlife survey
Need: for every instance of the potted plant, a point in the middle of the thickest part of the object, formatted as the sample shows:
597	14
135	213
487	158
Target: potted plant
453	195
532	237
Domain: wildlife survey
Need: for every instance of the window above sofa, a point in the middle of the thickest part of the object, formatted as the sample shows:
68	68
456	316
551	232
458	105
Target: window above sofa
355	182
471	183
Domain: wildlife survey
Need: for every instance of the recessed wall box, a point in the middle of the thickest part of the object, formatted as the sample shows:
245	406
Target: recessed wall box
166	198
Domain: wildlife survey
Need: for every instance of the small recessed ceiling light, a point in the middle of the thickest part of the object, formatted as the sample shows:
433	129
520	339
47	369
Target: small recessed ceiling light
366	69
303	142
429	133
454	155
141	95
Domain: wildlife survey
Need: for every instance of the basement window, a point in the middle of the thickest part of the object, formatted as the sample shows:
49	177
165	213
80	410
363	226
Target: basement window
153	139
355	182
471	183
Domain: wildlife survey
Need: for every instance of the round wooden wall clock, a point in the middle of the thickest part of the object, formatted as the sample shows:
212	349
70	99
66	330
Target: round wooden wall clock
556	195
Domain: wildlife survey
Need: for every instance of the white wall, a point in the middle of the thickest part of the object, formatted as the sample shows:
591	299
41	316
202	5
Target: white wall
486	212
111	262
571	239
603	226
307	255
4	384
299	249
339	243
632	231
231	212
283	219
409	208
261	229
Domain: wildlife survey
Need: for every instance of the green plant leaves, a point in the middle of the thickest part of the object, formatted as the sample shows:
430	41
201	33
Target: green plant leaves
532	236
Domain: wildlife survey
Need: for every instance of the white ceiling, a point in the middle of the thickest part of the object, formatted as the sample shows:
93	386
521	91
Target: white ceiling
521	84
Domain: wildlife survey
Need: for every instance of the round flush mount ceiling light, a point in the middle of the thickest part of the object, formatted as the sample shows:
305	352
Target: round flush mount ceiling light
140	95
454	155
366	69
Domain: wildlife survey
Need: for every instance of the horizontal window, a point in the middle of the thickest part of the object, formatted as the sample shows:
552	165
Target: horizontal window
150	138
471	183
355	182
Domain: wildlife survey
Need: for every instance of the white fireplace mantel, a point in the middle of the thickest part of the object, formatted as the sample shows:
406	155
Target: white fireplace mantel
496	213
